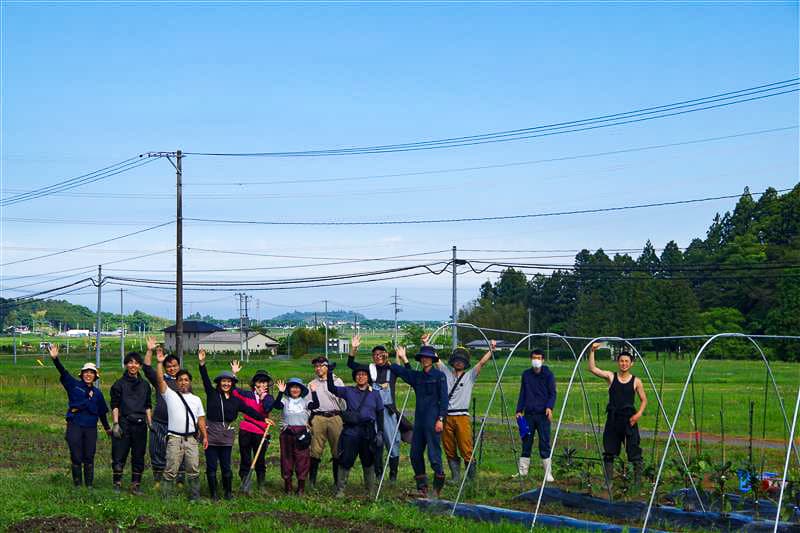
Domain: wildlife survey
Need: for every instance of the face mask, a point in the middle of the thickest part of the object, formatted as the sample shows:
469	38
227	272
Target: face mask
537	363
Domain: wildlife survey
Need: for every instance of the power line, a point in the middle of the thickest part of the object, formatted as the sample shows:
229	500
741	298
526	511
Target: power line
289	181
88	245
472	219
87	266
616	119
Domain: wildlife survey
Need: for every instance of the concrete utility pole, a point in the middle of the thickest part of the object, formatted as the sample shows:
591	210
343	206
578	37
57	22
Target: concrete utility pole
179	257
246	321
455	301
121	333
324	321
529	329
241	325
99	323
396	310
14	334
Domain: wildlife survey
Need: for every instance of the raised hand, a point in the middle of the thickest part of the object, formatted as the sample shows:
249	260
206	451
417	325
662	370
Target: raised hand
201	356
281	385
401	354
160	356
492	345
596	346
425	337
313	386
53	351
151	343
236	366
355	342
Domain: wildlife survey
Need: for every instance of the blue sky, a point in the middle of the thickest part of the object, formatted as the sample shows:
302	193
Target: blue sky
86	85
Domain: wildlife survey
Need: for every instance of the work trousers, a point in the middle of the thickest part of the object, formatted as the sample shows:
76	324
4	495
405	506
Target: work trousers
248	445
82	442
182	450
426	437
357	441
219	455
618	430
133	441
538	423
457	434
293	460
325	430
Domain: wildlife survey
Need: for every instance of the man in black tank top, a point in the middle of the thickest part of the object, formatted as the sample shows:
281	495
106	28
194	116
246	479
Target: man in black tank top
622	416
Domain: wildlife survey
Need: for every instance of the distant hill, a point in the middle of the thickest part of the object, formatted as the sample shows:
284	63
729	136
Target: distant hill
297	317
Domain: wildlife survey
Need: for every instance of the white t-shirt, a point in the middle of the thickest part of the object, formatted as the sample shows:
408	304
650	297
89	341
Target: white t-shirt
177	411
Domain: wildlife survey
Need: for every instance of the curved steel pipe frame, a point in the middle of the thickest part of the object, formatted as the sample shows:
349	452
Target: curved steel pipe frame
786	462
491	399
564	404
692	369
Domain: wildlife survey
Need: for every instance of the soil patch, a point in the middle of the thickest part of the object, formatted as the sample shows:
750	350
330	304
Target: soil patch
330	523
57	524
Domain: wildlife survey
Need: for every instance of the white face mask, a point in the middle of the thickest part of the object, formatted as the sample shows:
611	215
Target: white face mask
537	363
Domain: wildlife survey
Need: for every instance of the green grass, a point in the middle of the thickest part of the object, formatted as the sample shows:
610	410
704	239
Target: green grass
34	481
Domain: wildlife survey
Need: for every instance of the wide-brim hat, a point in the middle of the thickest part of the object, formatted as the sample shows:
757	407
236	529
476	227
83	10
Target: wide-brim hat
260	375
362	368
90	367
427	351
298	382
459	354
226	374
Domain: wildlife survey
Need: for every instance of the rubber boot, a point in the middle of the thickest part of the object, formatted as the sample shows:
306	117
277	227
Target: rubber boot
335	464
158	476
394	464
438	484
341	481
88	475
116	477
422	485
260	480
523	467
608	473
136	483
312	472
455	470
369	481
77	475
470	470
167	489
637	476
227	485
287	486
194	488
301	487
211	477
547	464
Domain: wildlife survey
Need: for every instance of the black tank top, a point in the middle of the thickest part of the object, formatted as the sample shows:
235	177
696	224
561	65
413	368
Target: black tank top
620	397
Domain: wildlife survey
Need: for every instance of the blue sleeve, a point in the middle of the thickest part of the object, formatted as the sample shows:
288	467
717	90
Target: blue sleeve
551	391
66	380
268	402
102	406
406	374
351	363
443	400
521	398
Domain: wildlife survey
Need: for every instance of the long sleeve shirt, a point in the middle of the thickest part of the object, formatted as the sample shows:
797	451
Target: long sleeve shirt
367	403
537	391
131	395
263	406
327	400
86	403
160	413
220	408
430	389
381	375
295	411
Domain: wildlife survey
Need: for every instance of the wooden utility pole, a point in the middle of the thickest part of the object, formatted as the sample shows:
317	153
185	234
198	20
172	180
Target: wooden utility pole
179	259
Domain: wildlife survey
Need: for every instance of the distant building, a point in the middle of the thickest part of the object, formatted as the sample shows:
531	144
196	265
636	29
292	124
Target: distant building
339	345
194	331
231	341
77	333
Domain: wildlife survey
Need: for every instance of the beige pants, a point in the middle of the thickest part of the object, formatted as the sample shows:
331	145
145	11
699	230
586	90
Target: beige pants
324	429
182	449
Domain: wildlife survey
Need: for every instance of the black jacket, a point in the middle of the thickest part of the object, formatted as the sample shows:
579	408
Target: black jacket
131	395
222	409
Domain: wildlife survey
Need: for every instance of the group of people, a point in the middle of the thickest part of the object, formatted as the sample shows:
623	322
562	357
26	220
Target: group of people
356	422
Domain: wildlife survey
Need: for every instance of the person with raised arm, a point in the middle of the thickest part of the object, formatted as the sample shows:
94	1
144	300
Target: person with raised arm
86	405
457	433
325	420
384	381
251	430
430	389
132	413
295	404
622	417
186	426
223	408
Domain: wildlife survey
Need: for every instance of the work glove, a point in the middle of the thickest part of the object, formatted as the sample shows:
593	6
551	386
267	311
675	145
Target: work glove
116	431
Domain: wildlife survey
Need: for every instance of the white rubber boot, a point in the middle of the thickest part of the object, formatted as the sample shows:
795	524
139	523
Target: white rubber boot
524	466
548	470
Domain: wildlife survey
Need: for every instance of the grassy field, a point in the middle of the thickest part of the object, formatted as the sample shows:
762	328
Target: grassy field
35	486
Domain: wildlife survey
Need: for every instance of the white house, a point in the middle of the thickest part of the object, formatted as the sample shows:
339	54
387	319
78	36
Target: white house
231	341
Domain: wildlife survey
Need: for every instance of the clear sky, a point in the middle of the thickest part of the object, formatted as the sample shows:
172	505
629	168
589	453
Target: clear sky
86	85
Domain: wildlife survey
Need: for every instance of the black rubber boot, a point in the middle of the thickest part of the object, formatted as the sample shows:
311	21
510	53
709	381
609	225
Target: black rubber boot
211	477
394	464
438	484
116	477
312	472
369	481
608	473
227	485
422	485
335	472
287	486
136	482
194	488
637	476
455	470
470	470
341	481
301	487
88	474
260	480
77	475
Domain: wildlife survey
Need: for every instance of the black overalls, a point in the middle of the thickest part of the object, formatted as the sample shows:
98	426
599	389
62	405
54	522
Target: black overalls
618	428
